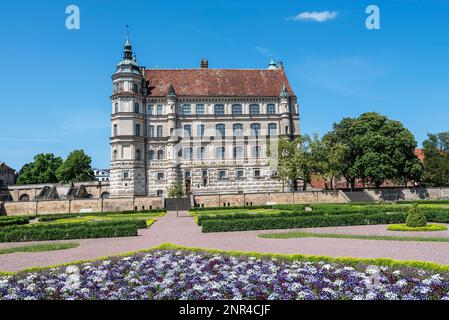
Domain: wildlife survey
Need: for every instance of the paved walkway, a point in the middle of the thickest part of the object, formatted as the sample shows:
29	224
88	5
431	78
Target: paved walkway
183	231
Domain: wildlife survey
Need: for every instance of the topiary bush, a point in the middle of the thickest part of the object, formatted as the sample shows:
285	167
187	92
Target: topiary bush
416	218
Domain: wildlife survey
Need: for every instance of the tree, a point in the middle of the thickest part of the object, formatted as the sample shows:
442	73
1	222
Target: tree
436	161
41	170
176	191
376	149
296	161
76	168
416	218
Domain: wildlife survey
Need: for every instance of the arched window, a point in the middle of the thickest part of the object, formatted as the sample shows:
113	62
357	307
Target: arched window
116	107
271	109
187	153
256	152
136	108
272	129
151	155
237	129
255	129
115	130
237	109
220	153
105	195
238	152
116	87
114	155
200	130
201	153
137	133
138	157
186	109
187	130
24	197
160	154
221	129
219	109
254	109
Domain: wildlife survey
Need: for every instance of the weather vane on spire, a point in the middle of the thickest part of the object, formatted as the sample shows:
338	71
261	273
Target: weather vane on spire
127	31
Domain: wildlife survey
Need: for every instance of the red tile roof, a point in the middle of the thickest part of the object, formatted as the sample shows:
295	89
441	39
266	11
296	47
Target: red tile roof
420	154
217	82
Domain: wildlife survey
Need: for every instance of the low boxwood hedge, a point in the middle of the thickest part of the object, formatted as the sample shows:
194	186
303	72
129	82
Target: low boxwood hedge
102	229
198	209
54	217
11	221
221	225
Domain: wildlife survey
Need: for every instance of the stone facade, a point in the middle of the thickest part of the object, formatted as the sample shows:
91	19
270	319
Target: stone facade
209	128
7	175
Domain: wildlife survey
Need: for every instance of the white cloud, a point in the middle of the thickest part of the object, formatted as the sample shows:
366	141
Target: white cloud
263	51
322	16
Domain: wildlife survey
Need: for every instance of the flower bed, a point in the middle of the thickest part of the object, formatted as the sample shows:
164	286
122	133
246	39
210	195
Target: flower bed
176	274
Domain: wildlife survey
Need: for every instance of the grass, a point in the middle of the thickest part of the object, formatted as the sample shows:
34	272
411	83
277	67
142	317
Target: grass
40	248
299	234
429	227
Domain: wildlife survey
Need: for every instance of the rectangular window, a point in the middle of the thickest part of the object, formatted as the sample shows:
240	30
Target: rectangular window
160	154
159	193
254	109
159	131
151	131
237	110
187	130
271	109
151	155
150	109
160	176
160	110
257	173
240	174
222	174
200	109
125	174
138	130
205	173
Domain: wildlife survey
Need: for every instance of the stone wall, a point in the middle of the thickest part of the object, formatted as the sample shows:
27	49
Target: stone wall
81	205
395	194
248	199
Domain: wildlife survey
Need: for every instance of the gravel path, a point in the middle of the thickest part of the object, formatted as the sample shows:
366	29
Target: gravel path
183	231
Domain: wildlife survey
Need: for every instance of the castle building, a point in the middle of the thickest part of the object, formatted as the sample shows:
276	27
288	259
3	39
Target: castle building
7	175
215	130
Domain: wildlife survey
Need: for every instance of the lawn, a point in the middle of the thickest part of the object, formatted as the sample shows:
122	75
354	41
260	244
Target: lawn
299	234
40	248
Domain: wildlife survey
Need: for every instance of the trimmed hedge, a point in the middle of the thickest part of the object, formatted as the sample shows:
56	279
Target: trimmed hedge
103	229
230	208
11	221
301	222
54	217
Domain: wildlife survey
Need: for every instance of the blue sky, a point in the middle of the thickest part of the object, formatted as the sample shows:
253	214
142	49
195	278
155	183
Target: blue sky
55	83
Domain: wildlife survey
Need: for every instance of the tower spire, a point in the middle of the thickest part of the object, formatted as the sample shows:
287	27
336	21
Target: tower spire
272	64
128	52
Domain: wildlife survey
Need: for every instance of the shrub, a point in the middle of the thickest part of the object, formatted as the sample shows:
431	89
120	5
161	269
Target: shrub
54	217
429	227
230	208
103	229
10	221
416	217
221	225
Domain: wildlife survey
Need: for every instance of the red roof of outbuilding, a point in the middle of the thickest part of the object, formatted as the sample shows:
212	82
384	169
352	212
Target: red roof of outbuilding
217	82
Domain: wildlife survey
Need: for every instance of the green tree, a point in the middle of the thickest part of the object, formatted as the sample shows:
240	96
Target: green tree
416	218
436	161
41	170
296	161
176	191
376	149
76	168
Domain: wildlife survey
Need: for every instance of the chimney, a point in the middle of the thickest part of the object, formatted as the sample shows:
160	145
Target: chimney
204	64
280	65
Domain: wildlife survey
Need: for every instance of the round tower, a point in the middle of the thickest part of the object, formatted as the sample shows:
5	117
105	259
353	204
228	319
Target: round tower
128	146
284	110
